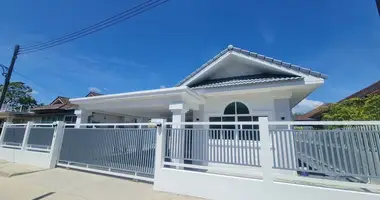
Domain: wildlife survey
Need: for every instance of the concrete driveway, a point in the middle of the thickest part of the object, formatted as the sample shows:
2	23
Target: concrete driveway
63	184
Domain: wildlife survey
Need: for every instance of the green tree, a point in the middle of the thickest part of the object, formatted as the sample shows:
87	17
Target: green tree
19	95
355	109
372	107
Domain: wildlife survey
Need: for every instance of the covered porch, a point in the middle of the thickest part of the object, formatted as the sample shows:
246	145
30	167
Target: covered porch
173	104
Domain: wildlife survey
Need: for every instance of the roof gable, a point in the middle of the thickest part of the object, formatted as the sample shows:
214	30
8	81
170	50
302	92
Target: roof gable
59	103
270	62
93	94
60	100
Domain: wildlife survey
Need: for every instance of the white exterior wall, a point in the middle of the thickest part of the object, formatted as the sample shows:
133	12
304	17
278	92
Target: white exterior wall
106	118
282	109
258	104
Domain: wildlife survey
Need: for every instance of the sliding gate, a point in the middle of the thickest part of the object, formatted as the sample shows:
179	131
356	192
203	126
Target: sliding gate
126	151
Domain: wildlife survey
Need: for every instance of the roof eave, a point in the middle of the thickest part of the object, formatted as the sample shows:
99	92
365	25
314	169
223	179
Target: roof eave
140	94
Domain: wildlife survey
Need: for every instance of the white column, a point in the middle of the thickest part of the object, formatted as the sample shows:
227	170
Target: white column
29	126
266	155
82	117
5	124
56	143
200	144
179	111
160	149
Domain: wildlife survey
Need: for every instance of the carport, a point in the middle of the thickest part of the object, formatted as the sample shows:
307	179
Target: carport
167	103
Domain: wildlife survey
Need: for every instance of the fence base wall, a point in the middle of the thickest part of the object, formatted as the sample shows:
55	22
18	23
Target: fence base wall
208	186
220	187
26	157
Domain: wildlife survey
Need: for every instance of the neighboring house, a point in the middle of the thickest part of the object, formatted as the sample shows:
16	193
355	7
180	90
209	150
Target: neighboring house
317	113
370	90
60	109
235	85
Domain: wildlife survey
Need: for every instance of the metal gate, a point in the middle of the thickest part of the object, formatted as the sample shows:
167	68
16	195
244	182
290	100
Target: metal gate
122	150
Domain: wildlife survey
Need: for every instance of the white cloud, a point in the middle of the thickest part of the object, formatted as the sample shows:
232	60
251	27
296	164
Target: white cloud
306	105
95	89
35	92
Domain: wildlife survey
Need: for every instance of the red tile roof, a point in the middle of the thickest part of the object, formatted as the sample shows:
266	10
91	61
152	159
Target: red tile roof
62	103
372	89
59	103
315	114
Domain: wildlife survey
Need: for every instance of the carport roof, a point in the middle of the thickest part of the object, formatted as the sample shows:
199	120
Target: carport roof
141	94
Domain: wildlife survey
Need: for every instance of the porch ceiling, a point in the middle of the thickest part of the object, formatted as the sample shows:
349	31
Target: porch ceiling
149	103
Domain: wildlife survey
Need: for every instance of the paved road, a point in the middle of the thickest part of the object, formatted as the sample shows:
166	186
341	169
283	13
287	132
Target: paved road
63	184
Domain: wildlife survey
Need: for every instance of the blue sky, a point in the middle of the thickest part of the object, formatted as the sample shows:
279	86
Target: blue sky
340	38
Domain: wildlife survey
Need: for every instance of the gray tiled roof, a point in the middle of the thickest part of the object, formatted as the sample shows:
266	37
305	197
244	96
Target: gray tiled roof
258	56
244	81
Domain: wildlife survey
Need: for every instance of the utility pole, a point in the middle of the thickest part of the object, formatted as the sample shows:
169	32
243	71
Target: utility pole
8	75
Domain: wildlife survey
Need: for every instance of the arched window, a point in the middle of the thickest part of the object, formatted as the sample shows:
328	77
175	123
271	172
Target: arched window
236	108
235	112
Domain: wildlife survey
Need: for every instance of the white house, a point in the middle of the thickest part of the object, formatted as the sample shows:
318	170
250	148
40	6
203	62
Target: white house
235	85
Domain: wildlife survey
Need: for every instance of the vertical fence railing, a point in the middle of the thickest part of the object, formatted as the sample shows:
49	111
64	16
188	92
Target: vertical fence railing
31	143
115	149
13	135
29	136
348	149
333	149
224	146
40	137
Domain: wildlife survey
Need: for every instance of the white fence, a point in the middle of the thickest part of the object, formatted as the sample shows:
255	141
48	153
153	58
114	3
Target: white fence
275	161
282	155
32	144
126	150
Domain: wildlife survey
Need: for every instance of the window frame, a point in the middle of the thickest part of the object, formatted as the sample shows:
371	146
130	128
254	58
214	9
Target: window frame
254	116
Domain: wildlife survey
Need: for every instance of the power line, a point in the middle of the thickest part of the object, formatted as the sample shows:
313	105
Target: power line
94	28
85	29
25	77
32	81
141	8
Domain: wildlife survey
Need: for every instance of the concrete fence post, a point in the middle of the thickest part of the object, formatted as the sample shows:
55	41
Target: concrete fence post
160	147
2	136
266	153
29	126
56	143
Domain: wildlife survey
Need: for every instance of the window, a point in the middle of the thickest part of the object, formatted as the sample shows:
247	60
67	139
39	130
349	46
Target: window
236	108
235	112
51	119
70	119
